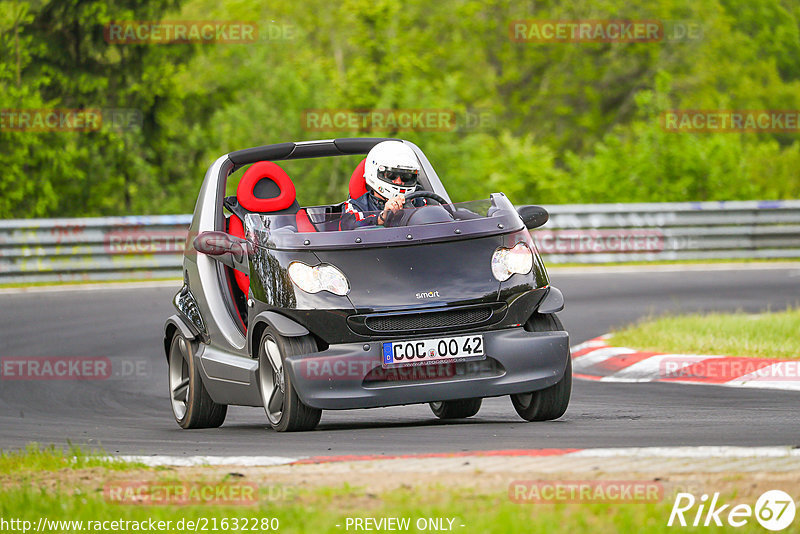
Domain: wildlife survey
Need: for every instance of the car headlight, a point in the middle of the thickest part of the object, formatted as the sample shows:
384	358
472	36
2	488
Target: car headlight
508	261
323	277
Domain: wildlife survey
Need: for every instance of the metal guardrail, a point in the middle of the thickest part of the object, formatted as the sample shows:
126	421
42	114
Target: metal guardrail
600	233
107	248
35	250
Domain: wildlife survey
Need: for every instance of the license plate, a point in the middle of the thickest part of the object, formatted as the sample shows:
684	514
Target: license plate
422	351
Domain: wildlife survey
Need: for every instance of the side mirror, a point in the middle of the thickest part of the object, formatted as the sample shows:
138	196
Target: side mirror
226	248
533	216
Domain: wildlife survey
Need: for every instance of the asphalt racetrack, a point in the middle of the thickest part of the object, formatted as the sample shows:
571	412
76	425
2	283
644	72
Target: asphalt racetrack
130	413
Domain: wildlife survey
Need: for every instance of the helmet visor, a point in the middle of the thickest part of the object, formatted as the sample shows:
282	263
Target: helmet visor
406	177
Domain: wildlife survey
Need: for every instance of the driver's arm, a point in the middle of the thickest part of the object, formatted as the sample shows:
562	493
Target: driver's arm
353	217
393	204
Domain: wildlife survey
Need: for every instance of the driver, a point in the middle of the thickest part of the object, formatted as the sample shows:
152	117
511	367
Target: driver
391	171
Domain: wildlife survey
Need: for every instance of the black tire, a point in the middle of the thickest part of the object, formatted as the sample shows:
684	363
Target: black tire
550	403
457	409
192	406
294	416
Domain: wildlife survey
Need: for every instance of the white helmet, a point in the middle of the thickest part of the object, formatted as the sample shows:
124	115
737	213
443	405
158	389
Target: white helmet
387	162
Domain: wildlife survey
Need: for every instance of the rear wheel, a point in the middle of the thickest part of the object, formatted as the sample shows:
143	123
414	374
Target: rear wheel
285	411
549	403
191	404
457	409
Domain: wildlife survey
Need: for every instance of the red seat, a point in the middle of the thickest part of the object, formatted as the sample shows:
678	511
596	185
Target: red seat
258	196
303	222
358	185
266	188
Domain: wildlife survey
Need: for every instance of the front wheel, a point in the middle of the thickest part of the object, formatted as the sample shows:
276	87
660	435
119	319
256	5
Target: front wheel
546	404
285	411
549	403
457	409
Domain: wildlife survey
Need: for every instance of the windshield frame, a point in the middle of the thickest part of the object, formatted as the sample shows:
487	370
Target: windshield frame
503	220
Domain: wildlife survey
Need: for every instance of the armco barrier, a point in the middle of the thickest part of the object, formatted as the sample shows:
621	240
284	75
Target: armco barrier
599	233
35	250
41	250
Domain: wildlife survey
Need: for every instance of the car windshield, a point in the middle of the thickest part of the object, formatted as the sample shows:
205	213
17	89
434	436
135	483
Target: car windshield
328	225
322	219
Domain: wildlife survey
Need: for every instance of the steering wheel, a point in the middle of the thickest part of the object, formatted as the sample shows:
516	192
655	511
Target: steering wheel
426	194
403	219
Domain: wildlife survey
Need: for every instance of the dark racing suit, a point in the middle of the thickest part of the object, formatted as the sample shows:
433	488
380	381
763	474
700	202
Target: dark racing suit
364	211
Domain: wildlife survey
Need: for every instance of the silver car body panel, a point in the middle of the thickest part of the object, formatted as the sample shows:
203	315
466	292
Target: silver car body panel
229	370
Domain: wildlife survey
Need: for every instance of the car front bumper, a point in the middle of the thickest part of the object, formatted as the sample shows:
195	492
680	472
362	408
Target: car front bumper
350	375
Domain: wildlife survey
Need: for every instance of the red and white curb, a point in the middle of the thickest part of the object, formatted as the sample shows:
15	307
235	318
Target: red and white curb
645	459
508	453
597	360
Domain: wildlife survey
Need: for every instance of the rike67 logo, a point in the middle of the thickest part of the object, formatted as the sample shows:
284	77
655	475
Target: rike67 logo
774	510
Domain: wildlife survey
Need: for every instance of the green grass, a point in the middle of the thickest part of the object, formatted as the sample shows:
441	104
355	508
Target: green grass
36	458
767	335
320	510
71	495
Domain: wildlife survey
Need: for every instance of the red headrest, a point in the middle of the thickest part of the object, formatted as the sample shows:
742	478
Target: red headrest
265	170
358	185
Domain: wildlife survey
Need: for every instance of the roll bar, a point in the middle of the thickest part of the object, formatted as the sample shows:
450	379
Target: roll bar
306	149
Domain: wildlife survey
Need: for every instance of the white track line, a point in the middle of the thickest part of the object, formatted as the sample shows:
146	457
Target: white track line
553	268
689	452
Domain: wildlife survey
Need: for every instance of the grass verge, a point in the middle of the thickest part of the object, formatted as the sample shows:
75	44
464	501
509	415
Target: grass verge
46	490
328	510
36	458
766	335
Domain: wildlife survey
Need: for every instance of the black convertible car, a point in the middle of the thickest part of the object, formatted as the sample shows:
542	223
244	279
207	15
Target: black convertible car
445	304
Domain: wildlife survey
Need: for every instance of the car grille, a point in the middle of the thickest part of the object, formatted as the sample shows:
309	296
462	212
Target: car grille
426	320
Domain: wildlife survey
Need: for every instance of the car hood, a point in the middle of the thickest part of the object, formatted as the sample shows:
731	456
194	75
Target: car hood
421	275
